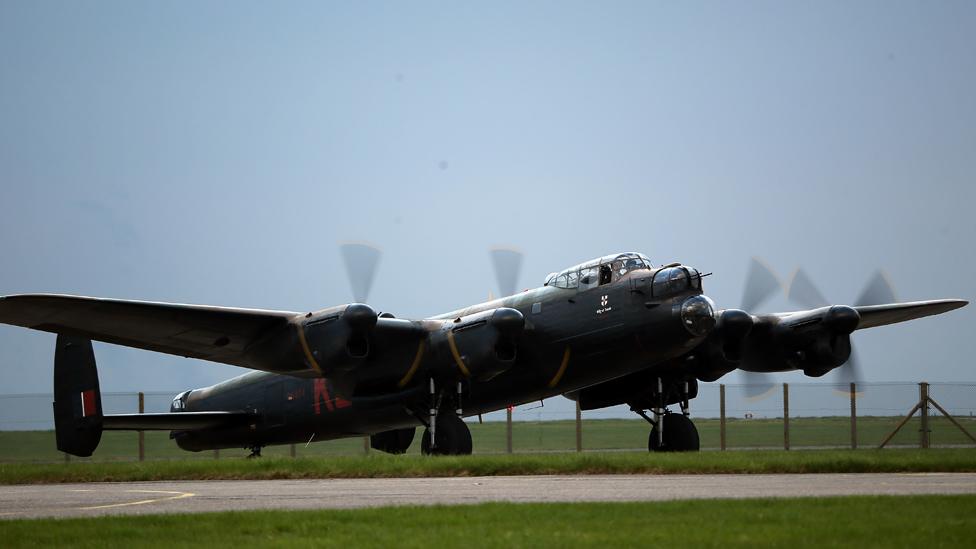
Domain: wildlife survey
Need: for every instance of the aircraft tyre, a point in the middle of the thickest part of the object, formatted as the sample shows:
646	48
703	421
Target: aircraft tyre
395	441
453	437
680	435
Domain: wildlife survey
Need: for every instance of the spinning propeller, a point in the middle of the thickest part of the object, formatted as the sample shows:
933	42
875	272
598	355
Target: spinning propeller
361	261
761	284
878	291
508	264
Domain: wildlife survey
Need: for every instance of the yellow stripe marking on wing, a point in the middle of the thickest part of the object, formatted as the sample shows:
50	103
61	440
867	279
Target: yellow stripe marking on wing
457	356
413	366
308	352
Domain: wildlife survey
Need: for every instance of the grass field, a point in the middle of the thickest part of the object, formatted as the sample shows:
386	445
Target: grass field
541	436
919	521
381	465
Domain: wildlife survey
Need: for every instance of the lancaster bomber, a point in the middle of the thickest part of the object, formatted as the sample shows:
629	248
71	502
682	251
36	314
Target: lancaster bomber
614	330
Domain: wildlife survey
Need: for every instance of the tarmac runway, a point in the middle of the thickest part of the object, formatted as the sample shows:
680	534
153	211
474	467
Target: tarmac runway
84	500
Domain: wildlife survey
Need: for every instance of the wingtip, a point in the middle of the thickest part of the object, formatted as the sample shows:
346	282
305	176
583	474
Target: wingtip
953	304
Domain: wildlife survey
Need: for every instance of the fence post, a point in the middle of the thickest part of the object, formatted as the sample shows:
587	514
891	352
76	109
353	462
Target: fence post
366	445
579	428
853	417
142	434
721	415
923	401
291	450
786	416
508	431
216	454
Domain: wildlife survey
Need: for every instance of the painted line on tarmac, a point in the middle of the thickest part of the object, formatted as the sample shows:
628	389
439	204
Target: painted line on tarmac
174	495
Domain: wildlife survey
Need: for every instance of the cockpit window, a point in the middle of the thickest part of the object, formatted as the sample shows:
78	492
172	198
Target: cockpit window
589	278
567	281
624	265
598	271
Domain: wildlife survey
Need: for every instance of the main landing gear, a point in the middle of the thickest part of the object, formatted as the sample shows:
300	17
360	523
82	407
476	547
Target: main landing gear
670	432
446	433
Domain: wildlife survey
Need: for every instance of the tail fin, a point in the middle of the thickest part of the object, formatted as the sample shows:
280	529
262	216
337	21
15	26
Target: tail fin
77	398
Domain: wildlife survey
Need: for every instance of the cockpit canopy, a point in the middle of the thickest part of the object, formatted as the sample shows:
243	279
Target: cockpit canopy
179	403
598	271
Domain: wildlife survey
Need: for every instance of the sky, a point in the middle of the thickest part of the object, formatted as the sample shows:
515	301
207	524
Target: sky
218	153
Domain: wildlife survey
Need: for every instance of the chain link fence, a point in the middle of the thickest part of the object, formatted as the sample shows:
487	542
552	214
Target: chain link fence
794	416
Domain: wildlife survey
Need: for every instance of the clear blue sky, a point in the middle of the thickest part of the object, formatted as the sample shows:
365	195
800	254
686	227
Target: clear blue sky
216	152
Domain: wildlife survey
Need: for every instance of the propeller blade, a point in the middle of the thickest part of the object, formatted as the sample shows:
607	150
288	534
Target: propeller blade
361	261
878	291
760	284
757	386
803	292
508	264
850	372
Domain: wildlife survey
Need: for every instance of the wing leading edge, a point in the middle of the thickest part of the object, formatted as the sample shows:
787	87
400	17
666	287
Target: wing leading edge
873	316
219	334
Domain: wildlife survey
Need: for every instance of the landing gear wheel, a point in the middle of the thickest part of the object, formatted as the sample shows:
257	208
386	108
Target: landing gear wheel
680	435
396	441
453	437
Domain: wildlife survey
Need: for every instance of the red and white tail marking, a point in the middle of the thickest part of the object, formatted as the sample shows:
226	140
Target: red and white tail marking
88	403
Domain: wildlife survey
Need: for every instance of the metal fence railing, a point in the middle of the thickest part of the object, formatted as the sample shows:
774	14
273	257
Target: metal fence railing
794	416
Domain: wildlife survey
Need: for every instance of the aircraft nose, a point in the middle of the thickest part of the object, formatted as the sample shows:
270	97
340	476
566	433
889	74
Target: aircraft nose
698	315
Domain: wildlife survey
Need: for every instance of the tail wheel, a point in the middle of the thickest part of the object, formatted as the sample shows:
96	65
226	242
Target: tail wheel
453	437
680	435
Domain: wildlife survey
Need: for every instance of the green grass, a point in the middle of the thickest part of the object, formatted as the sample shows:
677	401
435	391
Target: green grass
916	521
539	436
381	465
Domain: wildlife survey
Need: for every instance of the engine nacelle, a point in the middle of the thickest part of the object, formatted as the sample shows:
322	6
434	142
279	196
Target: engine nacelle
721	352
814	341
339	340
481	345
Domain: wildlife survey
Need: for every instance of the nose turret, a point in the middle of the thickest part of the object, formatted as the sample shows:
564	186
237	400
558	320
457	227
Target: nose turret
697	315
681	286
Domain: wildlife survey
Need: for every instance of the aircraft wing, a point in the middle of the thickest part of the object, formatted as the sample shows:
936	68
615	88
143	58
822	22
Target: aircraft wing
219	334
873	316
175	421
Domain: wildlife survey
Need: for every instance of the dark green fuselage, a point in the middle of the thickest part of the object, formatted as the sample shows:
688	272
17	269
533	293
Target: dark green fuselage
573	338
